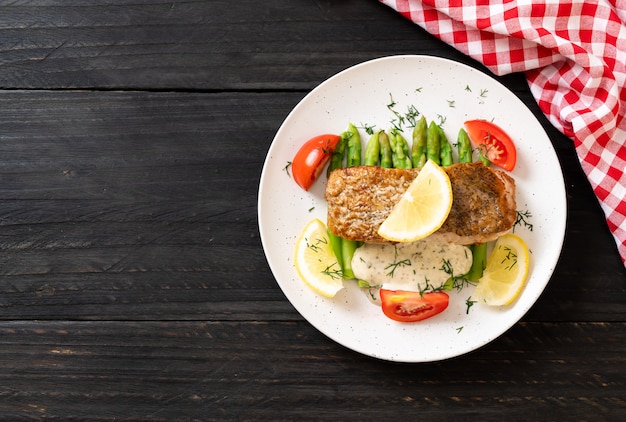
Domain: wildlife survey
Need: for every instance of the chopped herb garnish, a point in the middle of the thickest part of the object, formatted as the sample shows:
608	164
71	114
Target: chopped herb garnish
314	246
510	259
326	149
333	273
394	265
451	103
467	88
372	294
286	168
522	219
469	303
409	118
458	330
411	115
399	120
447	267
311	209
429	288
367	128
459	283
454	282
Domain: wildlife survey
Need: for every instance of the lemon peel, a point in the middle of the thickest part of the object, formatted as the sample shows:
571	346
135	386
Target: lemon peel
506	272
315	261
422	209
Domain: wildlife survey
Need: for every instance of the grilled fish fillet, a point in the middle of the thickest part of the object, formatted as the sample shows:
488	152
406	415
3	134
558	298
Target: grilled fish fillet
360	199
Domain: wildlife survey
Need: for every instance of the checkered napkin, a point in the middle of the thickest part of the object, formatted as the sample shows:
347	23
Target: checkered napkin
573	54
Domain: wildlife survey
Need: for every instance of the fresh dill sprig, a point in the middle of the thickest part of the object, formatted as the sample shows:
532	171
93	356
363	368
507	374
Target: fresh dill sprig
332	272
367	128
315	246
454	282
429	288
522	220
408	119
510	258
469	303
395	265
412	114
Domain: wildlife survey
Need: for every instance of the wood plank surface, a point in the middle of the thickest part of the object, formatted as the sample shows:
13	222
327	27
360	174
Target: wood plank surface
287	371
133	284
199	45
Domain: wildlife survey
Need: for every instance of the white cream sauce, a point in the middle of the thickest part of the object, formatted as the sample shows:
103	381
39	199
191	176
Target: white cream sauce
410	266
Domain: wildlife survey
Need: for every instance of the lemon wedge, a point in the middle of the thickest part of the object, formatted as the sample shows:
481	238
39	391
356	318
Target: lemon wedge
315	261
422	209
505	273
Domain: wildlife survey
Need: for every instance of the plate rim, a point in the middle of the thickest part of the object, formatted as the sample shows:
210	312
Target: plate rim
355	67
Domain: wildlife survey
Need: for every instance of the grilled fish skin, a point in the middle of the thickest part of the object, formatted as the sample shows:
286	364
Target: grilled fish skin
360	199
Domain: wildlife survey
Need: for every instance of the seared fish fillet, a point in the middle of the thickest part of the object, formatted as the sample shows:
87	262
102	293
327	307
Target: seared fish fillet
360	199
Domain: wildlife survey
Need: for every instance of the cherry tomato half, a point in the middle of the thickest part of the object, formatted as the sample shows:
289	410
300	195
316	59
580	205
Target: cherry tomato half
493	142
405	306
311	159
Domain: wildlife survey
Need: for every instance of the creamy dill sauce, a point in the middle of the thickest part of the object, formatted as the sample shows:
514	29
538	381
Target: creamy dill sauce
410	266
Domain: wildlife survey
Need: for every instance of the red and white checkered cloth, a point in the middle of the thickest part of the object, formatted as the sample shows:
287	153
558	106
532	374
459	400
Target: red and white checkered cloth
573	54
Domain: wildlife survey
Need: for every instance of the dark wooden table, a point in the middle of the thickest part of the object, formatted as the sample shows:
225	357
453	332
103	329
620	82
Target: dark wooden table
133	284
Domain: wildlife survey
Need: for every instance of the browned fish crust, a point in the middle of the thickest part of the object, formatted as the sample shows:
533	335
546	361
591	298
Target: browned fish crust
360	199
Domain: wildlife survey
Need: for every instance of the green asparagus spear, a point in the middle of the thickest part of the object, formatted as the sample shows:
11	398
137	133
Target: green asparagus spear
372	150
464	147
354	146
418	148
483	157
347	252
399	151
336	244
386	159
479	261
433	147
336	160
445	149
353	159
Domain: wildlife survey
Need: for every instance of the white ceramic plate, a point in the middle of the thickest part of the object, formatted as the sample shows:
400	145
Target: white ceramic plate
444	91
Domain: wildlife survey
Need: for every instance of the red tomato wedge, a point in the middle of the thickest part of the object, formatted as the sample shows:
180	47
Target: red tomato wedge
405	306
311	159
493	142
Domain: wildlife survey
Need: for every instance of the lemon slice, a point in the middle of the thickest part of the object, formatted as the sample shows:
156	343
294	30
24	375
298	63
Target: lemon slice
315	261
422	209
505	273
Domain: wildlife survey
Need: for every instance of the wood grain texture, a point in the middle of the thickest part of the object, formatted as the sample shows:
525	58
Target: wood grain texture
217	44
133	284
286	371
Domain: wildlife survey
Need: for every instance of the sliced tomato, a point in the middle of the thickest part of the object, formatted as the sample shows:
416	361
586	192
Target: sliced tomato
493	142
311	159
406	306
